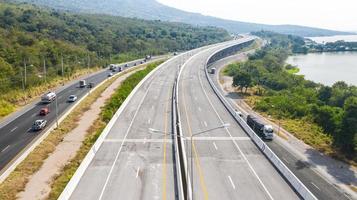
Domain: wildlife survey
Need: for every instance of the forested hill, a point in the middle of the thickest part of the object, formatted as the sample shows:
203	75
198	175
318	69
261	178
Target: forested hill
35	36
151	9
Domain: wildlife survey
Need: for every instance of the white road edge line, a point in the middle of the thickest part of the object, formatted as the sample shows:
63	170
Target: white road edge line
215	146
232	183
121	146
315	186
205	123
235	143
137	172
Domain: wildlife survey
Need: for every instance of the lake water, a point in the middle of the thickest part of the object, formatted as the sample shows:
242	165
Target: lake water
327	68
347	38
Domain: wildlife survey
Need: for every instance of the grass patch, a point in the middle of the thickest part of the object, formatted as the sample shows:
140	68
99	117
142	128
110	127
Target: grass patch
17	180
96	129
294	70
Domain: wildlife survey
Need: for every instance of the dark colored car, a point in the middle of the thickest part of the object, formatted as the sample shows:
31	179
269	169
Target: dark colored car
90	85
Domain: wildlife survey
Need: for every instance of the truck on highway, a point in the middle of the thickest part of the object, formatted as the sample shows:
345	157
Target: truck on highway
82	83
213	70
48	97
265	131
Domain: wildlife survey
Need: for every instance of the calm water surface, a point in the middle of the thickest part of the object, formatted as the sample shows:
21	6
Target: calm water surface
347	38
327	68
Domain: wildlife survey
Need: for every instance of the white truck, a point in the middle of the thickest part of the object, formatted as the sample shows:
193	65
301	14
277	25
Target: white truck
266	131
82	83
48	97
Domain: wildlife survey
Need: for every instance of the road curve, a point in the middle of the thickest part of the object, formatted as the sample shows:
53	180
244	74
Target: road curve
225	163
320	187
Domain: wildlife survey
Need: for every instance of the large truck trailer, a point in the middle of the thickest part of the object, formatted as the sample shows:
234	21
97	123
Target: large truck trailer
265	131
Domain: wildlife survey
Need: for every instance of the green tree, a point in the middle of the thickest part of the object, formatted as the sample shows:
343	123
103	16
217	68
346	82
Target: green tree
242	80
348	136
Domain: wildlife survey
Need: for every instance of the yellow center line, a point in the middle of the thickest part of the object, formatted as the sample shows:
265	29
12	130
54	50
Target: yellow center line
164	171
197	161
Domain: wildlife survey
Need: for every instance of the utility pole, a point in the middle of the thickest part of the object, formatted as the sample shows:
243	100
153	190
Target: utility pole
88	61
25	76
44	68
62	64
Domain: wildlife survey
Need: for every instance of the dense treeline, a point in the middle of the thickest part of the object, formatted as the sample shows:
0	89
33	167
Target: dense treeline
286	95
38	45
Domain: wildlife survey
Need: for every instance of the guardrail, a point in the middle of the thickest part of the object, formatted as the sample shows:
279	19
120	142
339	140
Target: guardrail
298	186
180	141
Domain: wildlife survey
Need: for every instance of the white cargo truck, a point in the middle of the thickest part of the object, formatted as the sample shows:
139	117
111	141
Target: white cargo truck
48	97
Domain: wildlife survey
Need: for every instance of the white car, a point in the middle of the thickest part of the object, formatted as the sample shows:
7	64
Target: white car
239	113
39	124
72	98
110	74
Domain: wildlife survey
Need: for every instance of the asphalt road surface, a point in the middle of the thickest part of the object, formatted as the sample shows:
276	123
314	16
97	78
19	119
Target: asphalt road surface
16	135
321	188
133	163
225	162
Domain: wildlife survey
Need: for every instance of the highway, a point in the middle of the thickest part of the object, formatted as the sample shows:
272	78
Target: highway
16	134
132	163
225	163
320	187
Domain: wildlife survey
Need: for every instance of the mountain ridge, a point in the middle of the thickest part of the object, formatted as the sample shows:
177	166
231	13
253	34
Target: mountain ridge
153	10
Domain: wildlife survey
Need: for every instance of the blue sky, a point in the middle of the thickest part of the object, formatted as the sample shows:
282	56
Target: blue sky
331	14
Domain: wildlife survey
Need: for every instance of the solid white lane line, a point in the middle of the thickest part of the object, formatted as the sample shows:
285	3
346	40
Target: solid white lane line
149	121
33	115
315	185
144	141
199	109
234	142
5	148
230	179
215	146
12	130
137	172
121	146
205	123
285	160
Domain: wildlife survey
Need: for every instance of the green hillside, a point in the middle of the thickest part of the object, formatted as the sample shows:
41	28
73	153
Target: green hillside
153	10
36	36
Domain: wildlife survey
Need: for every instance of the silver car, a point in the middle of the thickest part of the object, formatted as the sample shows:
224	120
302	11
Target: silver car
39	124
72	98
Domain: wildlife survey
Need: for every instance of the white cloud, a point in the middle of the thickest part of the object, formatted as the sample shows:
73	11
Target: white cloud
332	14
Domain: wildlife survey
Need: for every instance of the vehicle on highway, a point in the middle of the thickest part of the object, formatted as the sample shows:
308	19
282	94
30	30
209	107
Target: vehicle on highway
44	111
239	113
175	53
90	85
265	131
126	65
112	66
213	70
72	98
120	69
110	74
48	97
141	62
82	83
39	124
148	57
